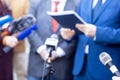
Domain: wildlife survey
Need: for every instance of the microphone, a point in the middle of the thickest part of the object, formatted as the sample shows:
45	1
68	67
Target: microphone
21	36
26	32
5	19
19	25
107	61
52	43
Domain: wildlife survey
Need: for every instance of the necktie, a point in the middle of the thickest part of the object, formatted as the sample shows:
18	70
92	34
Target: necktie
97	6
54	23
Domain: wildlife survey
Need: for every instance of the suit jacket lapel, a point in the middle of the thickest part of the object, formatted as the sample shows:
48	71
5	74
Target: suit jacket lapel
86	10
90	10
101	10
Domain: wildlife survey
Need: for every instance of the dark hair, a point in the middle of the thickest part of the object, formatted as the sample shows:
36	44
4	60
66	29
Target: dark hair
4	9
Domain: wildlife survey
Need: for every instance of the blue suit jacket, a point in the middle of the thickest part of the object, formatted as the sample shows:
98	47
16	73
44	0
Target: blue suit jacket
107	21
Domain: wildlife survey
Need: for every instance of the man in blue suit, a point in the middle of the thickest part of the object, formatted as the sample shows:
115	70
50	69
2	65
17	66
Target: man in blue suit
101	34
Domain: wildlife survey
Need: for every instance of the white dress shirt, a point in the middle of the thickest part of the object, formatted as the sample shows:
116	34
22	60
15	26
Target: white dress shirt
93	6
95	2
60	6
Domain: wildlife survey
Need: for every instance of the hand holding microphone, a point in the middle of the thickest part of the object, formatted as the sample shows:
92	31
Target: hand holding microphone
43	51
51	44
107	61
21	36
49	49
10	41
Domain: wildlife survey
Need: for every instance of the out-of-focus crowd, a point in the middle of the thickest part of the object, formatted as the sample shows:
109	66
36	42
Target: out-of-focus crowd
33	46
17	60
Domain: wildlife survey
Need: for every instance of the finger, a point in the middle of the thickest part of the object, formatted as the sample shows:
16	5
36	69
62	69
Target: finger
65	30
73	32
80	27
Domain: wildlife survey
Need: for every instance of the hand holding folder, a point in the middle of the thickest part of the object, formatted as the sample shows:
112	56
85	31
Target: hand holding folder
67	19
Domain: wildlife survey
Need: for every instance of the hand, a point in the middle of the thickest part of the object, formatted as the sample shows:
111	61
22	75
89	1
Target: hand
42	50
88	29
44	54
54	55
115	78
10	41
67	33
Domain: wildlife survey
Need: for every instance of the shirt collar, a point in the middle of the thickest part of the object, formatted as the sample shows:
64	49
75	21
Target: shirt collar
95	2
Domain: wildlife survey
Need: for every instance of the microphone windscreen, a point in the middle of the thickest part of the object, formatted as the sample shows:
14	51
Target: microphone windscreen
55	36
105	58
52	41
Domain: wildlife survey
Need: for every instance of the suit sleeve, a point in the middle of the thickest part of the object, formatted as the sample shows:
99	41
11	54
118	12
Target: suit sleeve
34	38
69	48
108	35
33	6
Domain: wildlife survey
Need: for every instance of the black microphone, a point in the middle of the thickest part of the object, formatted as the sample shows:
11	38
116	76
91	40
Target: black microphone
51	43
19	24
107	61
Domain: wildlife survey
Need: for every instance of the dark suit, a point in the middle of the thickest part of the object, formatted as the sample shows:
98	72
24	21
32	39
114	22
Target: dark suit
6	64
62	65
6	59
107	21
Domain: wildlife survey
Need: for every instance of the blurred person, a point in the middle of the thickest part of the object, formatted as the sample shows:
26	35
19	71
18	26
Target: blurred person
6	59
115	78
101	34
18	9
62	58
20	60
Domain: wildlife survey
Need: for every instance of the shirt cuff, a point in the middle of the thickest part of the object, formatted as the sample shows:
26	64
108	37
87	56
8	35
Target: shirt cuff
94	38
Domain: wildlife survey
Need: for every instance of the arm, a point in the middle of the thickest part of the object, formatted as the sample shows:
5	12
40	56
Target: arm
111	35
34	38
63	49
103	35
68	48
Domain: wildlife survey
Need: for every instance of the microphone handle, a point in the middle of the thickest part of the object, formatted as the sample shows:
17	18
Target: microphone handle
6	49
117	73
